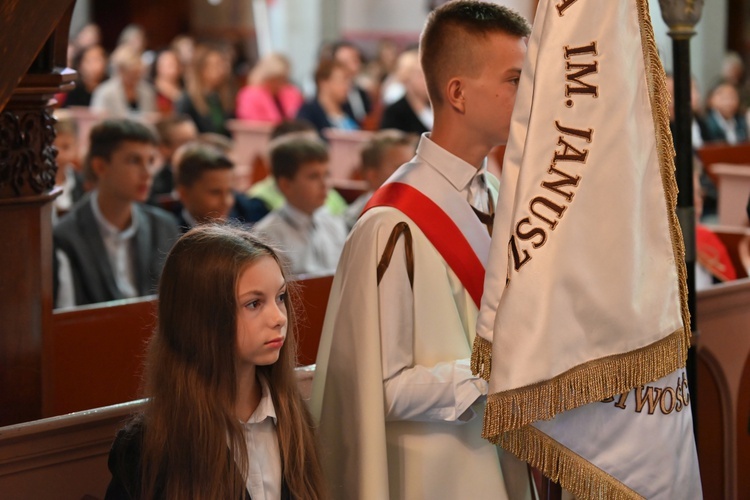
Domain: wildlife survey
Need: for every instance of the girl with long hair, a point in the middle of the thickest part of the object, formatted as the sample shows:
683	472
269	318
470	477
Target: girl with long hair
224	418
208	97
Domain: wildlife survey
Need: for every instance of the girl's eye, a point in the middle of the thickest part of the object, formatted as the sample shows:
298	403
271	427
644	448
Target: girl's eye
281	297
253	305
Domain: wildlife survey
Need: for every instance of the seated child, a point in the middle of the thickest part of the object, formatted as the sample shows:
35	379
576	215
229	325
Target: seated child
267	191
224	418
173	132
381	156
309	237
68	176
111	246
204	186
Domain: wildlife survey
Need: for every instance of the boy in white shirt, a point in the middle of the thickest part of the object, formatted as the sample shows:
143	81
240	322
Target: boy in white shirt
309	238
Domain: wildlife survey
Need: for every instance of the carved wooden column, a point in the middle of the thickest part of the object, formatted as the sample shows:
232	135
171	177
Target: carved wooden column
27	176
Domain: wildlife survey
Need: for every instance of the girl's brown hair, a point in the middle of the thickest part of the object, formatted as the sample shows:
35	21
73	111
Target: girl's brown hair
193	445
194	85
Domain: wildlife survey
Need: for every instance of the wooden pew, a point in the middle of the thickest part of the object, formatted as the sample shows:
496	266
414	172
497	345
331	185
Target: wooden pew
66	456
742	426
711	154
94	356
733	183
313	300
250	144
60	457
344	148
724	349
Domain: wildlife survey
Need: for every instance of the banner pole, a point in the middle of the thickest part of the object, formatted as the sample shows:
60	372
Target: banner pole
681	16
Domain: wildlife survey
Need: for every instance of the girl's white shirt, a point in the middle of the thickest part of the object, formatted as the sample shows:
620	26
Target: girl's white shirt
264	458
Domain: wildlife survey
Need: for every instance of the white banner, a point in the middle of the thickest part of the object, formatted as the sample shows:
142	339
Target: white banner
585	296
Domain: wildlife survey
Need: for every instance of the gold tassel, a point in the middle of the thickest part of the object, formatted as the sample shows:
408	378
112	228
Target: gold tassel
481	358
584	384
562	465
659	96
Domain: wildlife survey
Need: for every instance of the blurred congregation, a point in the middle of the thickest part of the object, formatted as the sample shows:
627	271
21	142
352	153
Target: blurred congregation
218	138
237	134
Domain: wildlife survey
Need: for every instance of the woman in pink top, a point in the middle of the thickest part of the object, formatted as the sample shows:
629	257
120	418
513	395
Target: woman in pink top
269	97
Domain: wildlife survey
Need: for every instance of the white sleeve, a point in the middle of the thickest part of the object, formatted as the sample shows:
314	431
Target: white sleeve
66	296
440	393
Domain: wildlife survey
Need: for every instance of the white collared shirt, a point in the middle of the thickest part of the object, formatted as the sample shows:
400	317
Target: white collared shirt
728	126
468	181
64	202
120	249
309	244
446	391
264	458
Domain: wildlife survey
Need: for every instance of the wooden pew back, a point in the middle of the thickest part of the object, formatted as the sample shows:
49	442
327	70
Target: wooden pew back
723	319
60	457
710	154
66	456
94	356
313	300
734	190
250	145
344	148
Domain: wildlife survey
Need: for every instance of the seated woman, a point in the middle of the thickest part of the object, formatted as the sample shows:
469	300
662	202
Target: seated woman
208	98
127	93
326	110
269	97
167	79
91	65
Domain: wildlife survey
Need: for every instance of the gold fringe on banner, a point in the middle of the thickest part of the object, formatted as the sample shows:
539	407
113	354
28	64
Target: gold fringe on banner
560	464
587	383
659	97
481	358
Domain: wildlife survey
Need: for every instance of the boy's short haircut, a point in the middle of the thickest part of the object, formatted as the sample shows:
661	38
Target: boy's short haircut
375	149
165	126
196	158
444	47
66	125
290	152
107	136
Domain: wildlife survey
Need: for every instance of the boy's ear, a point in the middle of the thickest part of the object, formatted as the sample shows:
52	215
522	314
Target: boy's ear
455	94
98	165
180	190
283	184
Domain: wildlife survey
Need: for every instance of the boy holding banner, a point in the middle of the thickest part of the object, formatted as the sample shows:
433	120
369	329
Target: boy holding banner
399	410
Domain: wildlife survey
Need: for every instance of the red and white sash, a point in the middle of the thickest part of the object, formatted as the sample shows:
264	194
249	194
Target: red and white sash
446	219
